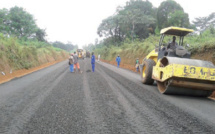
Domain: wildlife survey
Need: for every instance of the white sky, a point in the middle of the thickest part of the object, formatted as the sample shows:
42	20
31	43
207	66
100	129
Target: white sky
77	21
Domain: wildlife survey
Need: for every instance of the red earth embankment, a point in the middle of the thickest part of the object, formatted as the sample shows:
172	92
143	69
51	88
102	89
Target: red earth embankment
22	72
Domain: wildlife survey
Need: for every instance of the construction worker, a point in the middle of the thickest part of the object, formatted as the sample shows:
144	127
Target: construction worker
71	61
76	64
118	60
137	64
173	45
93	60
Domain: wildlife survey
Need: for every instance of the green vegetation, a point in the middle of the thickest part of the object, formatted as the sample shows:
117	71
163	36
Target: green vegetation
170	13
133	31
19	23
129	49
23	44
140	48
14	55
68	46
139	19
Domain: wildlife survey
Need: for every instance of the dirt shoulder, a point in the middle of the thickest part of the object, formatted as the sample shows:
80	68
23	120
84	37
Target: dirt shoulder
122	65
22	72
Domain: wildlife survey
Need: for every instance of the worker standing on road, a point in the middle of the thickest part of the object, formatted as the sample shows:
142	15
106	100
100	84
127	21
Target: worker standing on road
93	60
76	64
71	61
99	57
118	60
137	64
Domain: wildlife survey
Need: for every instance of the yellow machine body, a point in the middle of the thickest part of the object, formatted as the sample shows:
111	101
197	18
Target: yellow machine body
175	75
183	71
80	53
153	55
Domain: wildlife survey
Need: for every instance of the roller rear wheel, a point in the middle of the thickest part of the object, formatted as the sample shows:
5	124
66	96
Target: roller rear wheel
166	88
146	76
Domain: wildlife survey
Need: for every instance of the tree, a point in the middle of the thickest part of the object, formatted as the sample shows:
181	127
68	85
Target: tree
178	18
106	27
135	20
68	46
171	13
4	20
40	34
203	23
22	24
138	17
19	23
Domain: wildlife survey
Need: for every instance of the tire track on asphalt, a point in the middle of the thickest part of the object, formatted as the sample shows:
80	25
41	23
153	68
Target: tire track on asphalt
63	110
134	119
20	120
149	120
95	122
173	119
108	106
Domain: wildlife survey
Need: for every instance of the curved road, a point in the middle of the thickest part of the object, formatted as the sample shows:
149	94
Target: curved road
111	100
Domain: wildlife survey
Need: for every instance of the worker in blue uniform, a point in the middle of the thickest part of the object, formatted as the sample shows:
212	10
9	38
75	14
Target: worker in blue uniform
118	60
93	60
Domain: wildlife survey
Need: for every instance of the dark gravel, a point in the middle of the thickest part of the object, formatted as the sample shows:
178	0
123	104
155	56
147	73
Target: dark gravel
110	100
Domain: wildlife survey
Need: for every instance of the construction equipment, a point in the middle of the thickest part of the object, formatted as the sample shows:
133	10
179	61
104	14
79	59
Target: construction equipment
80	53
87	54
174	71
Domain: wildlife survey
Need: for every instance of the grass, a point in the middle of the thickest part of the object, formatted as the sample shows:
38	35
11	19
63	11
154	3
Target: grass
131	50
18	54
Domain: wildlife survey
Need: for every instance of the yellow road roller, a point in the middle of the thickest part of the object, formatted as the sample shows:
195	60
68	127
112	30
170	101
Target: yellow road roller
173	70
80	53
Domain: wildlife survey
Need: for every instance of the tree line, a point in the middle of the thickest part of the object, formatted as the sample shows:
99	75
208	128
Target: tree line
16	22
19	23
66	46
138	19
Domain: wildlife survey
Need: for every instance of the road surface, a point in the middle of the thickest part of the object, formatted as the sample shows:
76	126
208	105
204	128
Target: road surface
109	101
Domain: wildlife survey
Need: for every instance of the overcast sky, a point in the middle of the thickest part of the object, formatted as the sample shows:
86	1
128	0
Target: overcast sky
77	21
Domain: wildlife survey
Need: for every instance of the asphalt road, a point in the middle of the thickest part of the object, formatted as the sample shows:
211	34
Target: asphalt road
109	101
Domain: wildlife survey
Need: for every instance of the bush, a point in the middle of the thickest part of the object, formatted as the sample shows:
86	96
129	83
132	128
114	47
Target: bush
20	54
140	48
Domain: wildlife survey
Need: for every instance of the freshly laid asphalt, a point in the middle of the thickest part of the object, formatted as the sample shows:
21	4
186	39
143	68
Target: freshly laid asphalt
110	100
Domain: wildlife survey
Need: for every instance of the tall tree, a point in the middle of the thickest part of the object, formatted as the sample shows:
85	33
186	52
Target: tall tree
136	19
138	16
170	13
178	18
22	24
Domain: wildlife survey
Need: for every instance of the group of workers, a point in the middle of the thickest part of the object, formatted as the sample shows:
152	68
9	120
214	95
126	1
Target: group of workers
73	59
74	64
